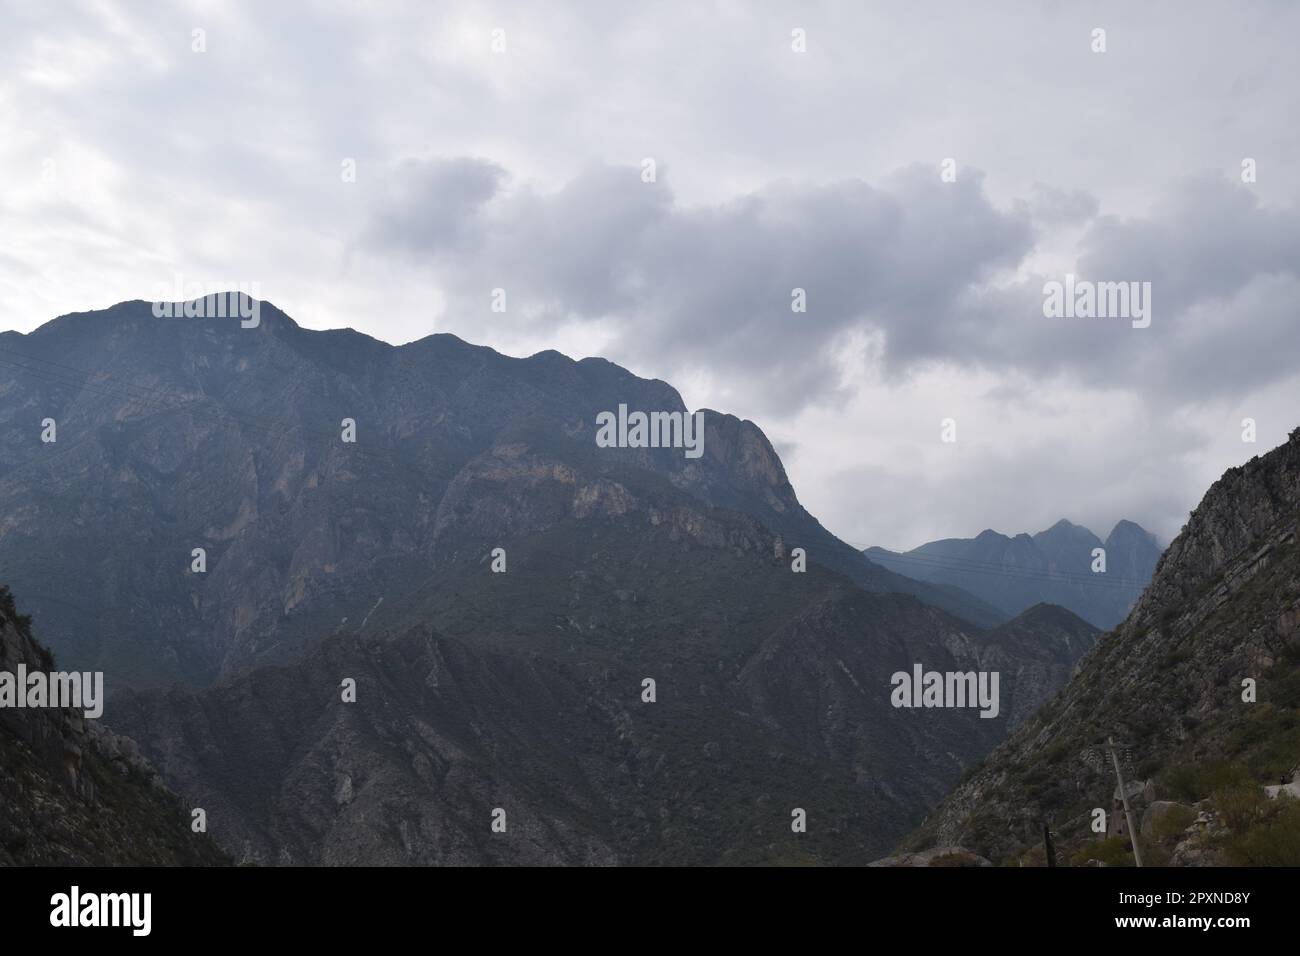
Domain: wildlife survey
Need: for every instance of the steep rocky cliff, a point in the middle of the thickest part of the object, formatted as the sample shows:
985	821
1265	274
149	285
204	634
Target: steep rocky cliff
178	434
74	793
499	586
1200	689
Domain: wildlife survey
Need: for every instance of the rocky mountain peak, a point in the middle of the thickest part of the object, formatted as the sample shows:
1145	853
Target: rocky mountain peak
1199	684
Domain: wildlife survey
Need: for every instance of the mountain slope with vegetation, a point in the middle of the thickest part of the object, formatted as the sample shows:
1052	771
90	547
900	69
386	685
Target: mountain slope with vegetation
499	586
525	691
73	793
178	434
1199	688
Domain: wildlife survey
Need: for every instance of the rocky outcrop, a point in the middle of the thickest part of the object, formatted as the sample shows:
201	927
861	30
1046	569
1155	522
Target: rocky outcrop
71	791
1197	686
937	856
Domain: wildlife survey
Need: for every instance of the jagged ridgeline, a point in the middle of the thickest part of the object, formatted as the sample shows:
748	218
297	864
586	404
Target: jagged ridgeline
1199	687
1056	566
71	792
176	434
499	588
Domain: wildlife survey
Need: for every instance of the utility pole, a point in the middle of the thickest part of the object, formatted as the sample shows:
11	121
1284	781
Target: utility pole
1123	795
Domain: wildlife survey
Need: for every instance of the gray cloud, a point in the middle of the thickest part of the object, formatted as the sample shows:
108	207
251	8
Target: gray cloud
712	285
1049	206
434	208
913	257
478	170
1224	271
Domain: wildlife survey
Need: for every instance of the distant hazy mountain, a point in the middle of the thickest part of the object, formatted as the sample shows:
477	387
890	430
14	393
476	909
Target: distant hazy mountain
1200	689
1053	566
373	561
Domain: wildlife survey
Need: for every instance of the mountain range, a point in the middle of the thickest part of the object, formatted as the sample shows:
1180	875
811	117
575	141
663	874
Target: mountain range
1198	688
1056	566
176	434
495	587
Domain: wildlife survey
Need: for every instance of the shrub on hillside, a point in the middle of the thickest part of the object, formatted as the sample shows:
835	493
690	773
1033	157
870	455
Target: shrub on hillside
1113	851
1274	840
1169	826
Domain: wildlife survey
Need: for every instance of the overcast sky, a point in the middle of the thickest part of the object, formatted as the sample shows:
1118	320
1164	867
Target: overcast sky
128	158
